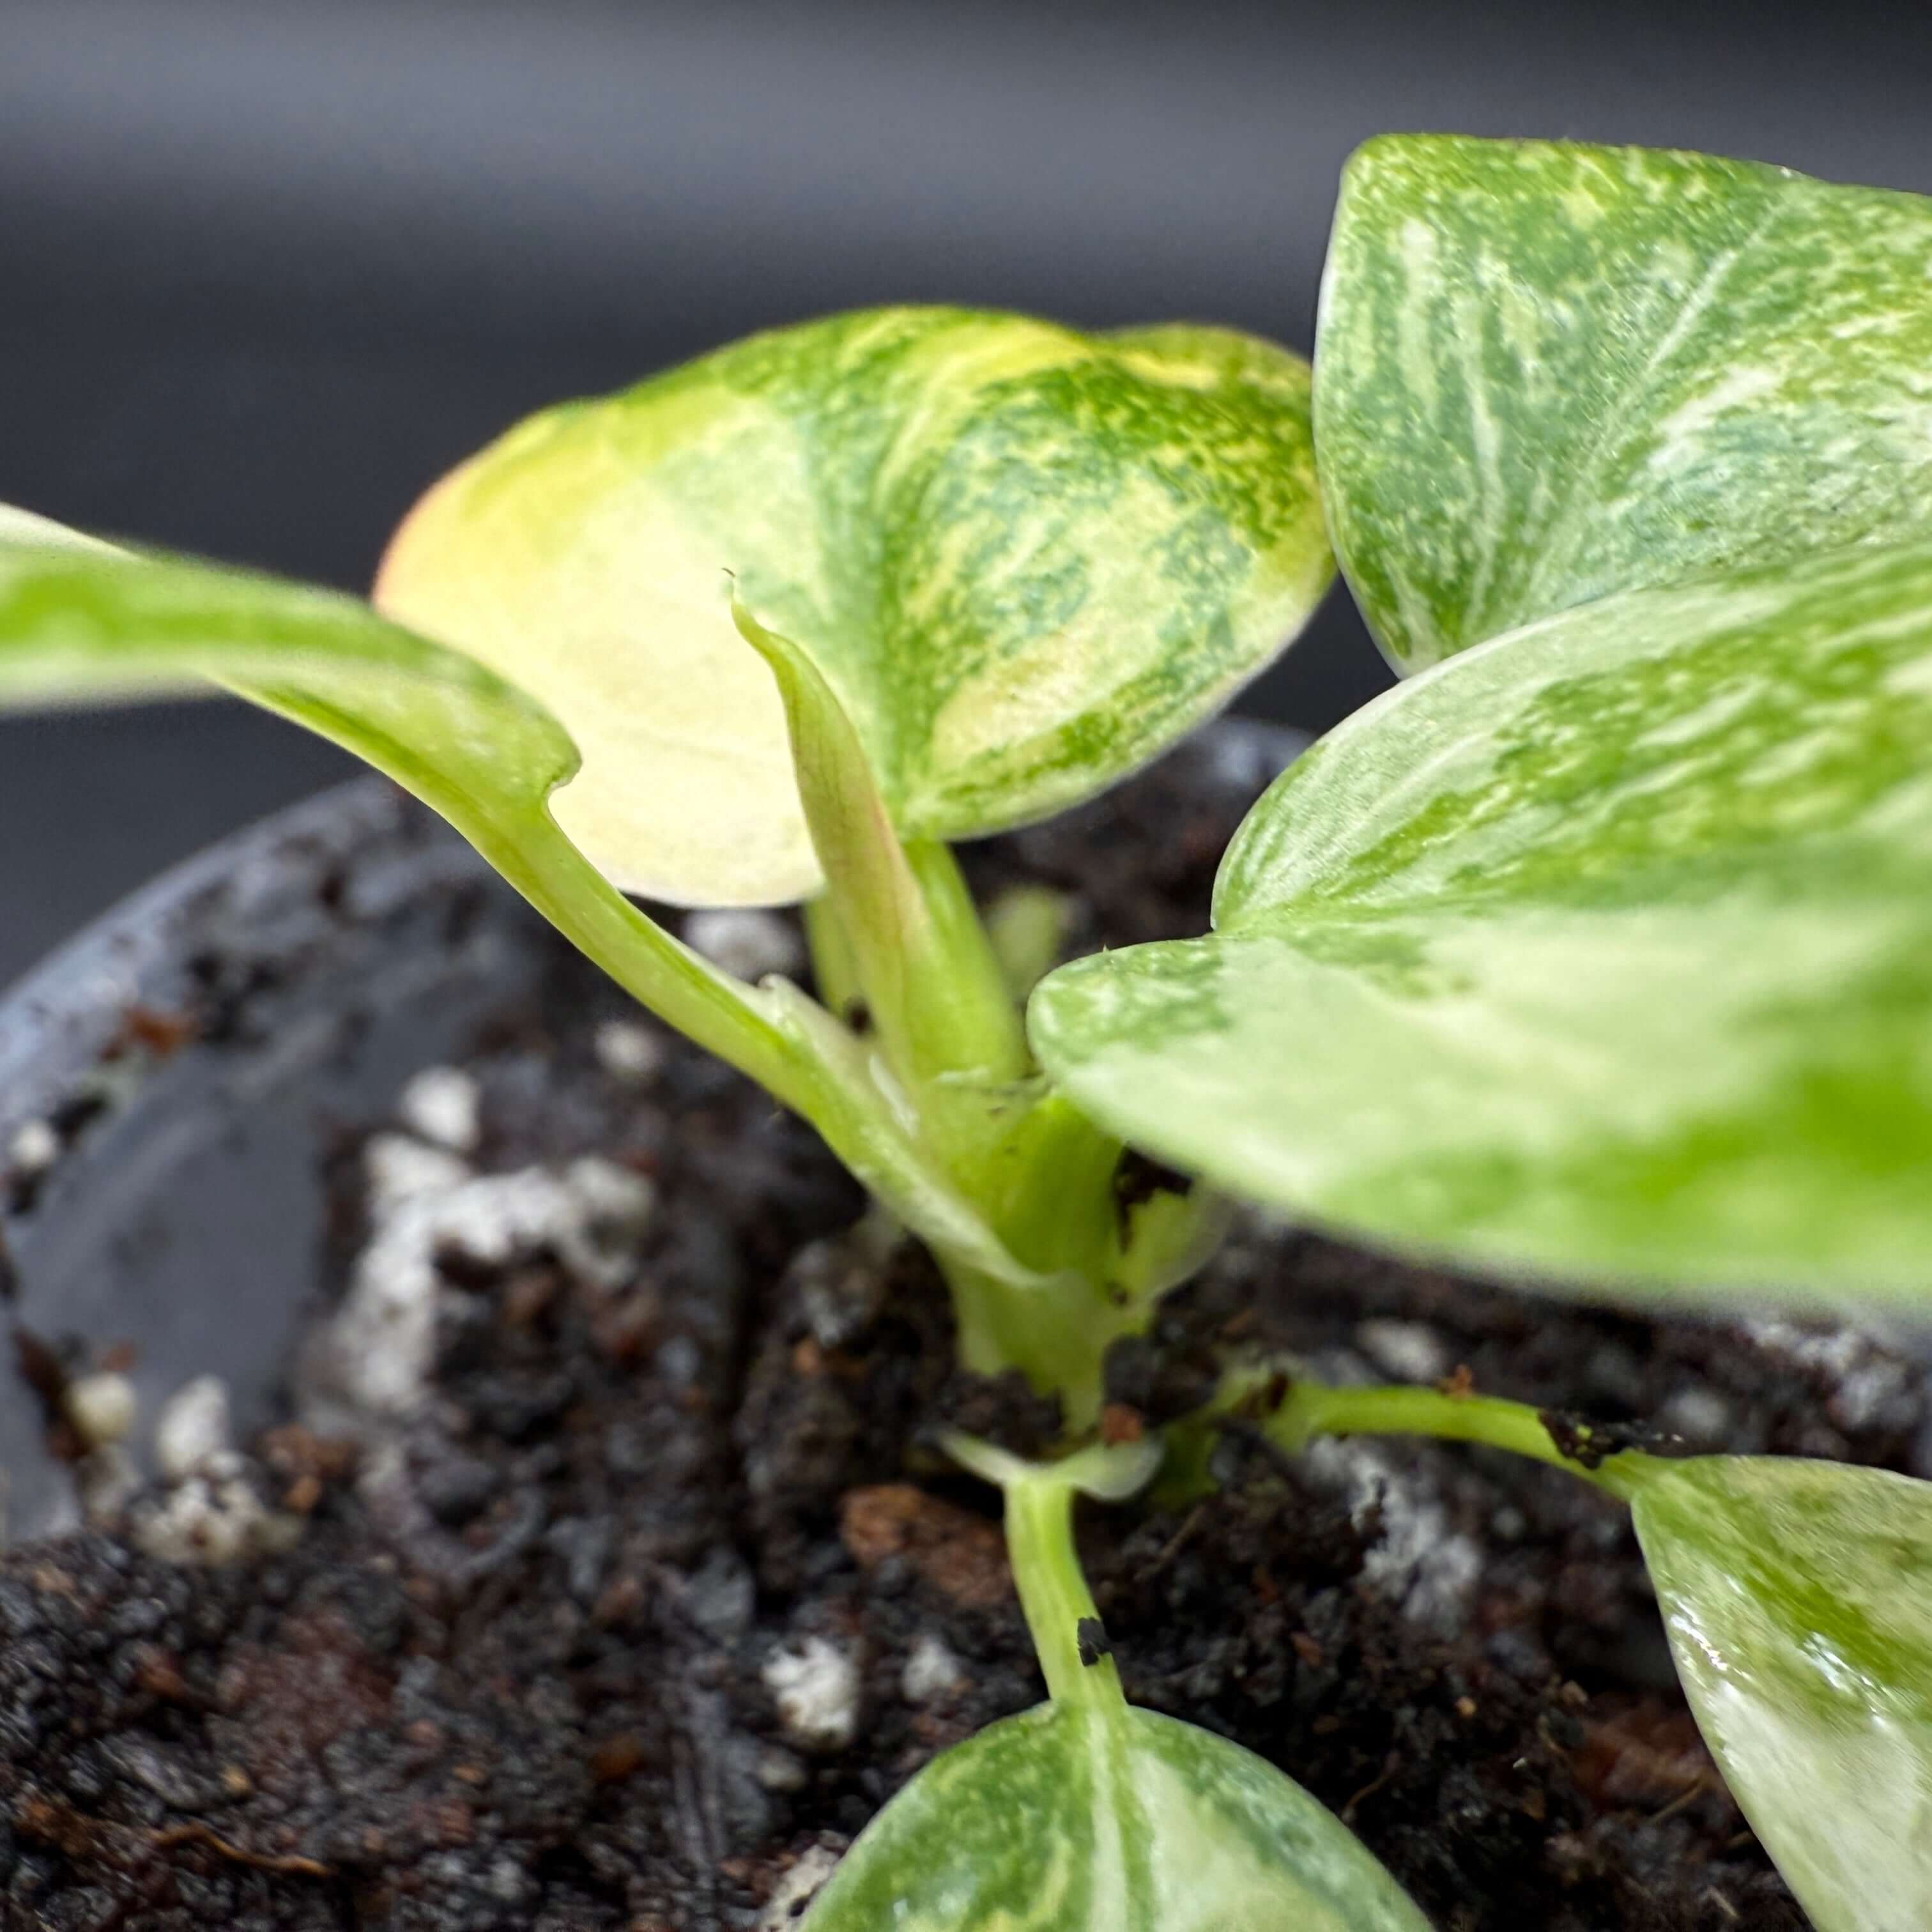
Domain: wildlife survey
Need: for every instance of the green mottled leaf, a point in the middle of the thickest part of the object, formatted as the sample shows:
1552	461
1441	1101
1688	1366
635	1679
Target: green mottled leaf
1602	951
1079	1817
1547	372
1798	1599
1024	558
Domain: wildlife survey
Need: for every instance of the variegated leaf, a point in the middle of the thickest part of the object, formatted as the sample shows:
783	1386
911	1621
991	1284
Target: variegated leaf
1798	1599
1025	558
1098	1817
1602	952
80	621
1546	373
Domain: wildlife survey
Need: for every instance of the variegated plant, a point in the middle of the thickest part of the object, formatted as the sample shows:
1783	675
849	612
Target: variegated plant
1599	952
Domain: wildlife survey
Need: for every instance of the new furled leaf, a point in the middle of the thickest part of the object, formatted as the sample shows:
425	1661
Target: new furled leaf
1546	372
1602	951
1798	1598
1025	559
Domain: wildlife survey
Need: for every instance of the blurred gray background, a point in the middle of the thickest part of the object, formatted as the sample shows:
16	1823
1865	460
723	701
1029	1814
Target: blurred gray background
268	266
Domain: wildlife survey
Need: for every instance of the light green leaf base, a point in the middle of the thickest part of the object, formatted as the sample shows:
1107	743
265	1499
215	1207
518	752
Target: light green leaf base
1026	560
1082	1818
1798	1599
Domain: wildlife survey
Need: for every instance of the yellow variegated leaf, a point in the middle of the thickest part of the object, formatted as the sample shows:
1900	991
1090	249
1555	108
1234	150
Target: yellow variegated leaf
1025	559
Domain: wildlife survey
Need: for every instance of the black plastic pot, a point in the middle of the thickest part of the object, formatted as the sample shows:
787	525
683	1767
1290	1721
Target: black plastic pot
307	965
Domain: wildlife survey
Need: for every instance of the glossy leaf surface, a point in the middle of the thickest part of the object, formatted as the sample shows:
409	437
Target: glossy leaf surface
1546	373
1798	1599
1025	559
1102	1818
1601	951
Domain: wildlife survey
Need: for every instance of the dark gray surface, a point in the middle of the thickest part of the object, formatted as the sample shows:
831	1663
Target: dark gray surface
267	266
350	942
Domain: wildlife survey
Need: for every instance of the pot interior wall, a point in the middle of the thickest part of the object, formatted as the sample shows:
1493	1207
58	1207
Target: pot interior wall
191	1053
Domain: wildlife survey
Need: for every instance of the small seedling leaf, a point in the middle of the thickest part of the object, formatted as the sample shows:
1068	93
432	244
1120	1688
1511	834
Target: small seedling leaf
1079	1817
1024	558
1798	1598
1602	952
1546	373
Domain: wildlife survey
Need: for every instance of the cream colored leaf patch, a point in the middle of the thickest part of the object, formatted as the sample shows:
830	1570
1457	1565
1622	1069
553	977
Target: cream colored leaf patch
1025	558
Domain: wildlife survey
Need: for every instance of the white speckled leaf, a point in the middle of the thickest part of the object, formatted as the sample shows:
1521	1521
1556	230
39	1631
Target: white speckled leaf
1025	558
1545	373
1080	1817
1798	1599
1602	953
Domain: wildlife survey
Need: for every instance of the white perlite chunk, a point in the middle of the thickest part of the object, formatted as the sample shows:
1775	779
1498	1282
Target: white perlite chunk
33	1148
193	1427
745	941
102	1408
382	1345
815	1685
629	1051
213	1518
444	1105
780	1770
796	1890
1698	1414
1412	1351
932	1672
398	1169
1418	1562
1869	1385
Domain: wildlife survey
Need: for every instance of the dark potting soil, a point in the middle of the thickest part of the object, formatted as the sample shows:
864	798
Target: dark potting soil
658	1596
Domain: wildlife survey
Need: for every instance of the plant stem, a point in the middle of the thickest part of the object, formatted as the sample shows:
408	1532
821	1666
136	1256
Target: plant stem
1054	1593
1311	1409
1055	1329
834	972
1059	1609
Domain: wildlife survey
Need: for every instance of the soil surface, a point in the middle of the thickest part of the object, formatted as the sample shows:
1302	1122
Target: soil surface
640	1606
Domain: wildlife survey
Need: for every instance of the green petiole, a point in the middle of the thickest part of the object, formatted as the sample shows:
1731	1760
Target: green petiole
1310	1409
1060	1614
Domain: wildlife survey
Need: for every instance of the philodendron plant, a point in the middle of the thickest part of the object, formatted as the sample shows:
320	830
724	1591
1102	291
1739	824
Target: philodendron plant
1598	953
